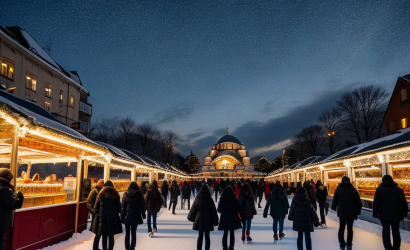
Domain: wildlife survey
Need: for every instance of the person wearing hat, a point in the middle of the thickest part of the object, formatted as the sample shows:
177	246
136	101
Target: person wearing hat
92	197
8	202
390	207
347	203
321	195
108	207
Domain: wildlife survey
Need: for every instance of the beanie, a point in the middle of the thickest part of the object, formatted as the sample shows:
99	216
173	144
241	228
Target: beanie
387	178
345	179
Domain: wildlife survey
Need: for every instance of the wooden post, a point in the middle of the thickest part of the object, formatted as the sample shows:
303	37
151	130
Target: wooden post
150	177
85	169
29	165
14	161
78	191
133	175
106	172
384	165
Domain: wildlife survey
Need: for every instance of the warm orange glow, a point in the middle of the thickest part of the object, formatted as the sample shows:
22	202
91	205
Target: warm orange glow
404	123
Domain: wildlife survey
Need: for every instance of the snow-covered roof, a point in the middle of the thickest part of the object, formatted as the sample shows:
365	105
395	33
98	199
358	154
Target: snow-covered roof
114	150
21	38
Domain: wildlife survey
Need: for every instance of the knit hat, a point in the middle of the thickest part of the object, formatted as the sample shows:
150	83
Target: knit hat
108	184
387	178
345	179
301	190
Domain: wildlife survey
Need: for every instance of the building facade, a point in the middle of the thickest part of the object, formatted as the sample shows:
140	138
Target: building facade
398	110
30	73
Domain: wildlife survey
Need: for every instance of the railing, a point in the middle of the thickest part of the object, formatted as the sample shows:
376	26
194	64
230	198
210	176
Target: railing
85	108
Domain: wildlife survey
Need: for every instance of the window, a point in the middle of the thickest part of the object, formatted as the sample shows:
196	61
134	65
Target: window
72	101
392	126
31	82
403	93
48	106
61	97
49	89
404	123
84	126
28	98
7	68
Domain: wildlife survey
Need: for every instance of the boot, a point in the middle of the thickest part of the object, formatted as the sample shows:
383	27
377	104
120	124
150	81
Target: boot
231	248
275	238
243	238
248	237
342	246
281	236
349	248
225	248
259	205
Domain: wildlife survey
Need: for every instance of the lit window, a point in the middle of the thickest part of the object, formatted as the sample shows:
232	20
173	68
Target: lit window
31	82
392	126
7	68
72	101
61	97
48	106
403	94
49	89
404	123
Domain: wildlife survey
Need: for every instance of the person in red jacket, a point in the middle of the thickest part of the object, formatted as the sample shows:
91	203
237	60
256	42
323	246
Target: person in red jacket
267	191
238	187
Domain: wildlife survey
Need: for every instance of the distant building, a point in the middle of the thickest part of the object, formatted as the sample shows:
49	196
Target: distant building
28	72
398	110
288	157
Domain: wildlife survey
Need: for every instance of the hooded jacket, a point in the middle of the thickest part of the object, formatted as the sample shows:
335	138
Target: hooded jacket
186	191
302	213
174	192
108	207
321	193
229	209
390	202
8	202
92	197
311	192
207	217
346	201
278	203
164	189
153	200
132	206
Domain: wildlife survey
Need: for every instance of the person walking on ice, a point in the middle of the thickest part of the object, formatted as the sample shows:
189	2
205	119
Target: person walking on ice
247	200
279	206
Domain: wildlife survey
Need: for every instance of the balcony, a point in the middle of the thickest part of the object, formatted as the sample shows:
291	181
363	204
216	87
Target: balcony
85	108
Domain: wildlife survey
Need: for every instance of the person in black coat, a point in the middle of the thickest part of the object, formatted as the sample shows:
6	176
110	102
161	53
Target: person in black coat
107	207
304	217
347	203
217	189
8	202
279	206
153	203
321	195
174	192
246	200
390	206
186	195
206	218
92	197
261	189
311	193
132	214
164	192
229	209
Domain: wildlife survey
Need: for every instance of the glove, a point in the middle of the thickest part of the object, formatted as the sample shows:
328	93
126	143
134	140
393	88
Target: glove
20	195
144	216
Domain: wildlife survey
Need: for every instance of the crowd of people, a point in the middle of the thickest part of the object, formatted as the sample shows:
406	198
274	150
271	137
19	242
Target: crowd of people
236	208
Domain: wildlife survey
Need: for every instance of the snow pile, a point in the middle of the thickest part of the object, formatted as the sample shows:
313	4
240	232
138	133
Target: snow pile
76	239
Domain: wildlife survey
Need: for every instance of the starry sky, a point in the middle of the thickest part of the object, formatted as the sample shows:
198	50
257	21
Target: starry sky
266	68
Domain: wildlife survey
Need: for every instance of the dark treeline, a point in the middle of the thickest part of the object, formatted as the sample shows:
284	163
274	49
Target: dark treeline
143	139
356	118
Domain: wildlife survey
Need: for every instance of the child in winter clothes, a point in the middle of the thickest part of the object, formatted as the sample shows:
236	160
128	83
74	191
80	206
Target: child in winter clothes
304	217
247	202
279	206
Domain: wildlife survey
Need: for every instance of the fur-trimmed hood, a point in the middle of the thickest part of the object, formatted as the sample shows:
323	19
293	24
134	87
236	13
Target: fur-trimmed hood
5	183
108	192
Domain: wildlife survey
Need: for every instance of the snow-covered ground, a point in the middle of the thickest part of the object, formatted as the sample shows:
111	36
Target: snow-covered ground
175	232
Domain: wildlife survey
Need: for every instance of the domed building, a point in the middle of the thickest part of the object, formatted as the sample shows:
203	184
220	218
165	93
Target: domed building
228	155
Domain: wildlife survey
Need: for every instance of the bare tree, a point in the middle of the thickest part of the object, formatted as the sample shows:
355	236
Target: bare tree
330	121
102	132
169	140
349	107
148	138
309	141
125	134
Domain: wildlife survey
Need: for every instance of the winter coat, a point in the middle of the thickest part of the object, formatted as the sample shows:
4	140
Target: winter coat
153	200
302	213
267	192
278	203
261	188
186	191
321	193
107	206
8	202
390	202
217	187
174	192
164	190
207	217
229	209
92	197
133	207
346	201
237	189
310	190
223	185
245	201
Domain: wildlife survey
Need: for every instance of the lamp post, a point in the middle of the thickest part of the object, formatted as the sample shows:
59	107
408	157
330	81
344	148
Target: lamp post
331	135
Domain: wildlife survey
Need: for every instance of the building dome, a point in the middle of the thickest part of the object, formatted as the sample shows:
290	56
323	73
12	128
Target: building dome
229	138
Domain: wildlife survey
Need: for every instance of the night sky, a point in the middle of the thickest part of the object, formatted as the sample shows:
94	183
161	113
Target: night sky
265	68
